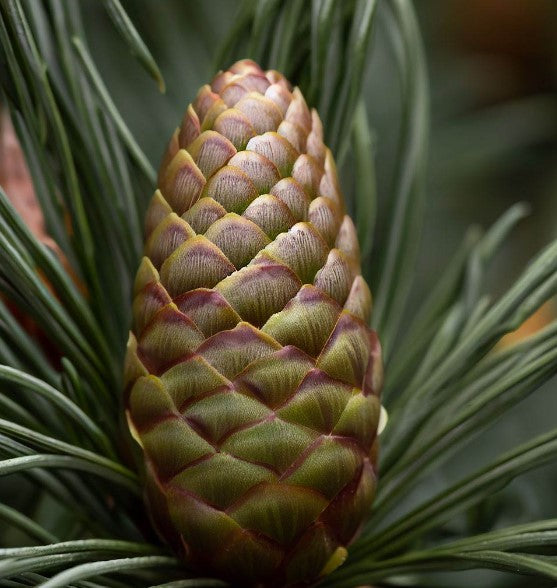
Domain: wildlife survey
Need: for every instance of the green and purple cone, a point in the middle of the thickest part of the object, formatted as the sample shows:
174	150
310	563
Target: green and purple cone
252	377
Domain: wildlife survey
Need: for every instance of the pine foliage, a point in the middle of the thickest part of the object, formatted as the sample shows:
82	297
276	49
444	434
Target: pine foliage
72	511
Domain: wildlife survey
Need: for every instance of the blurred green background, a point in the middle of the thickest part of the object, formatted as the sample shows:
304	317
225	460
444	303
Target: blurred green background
493	83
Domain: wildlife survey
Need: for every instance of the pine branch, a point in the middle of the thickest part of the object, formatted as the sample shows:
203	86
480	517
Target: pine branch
60	429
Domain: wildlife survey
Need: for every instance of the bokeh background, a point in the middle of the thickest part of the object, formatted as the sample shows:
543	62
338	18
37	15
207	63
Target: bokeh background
493	84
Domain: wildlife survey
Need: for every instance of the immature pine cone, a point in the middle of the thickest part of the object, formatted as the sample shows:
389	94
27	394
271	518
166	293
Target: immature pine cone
253	379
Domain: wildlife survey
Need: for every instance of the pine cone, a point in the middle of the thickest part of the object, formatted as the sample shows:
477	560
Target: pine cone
253	379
